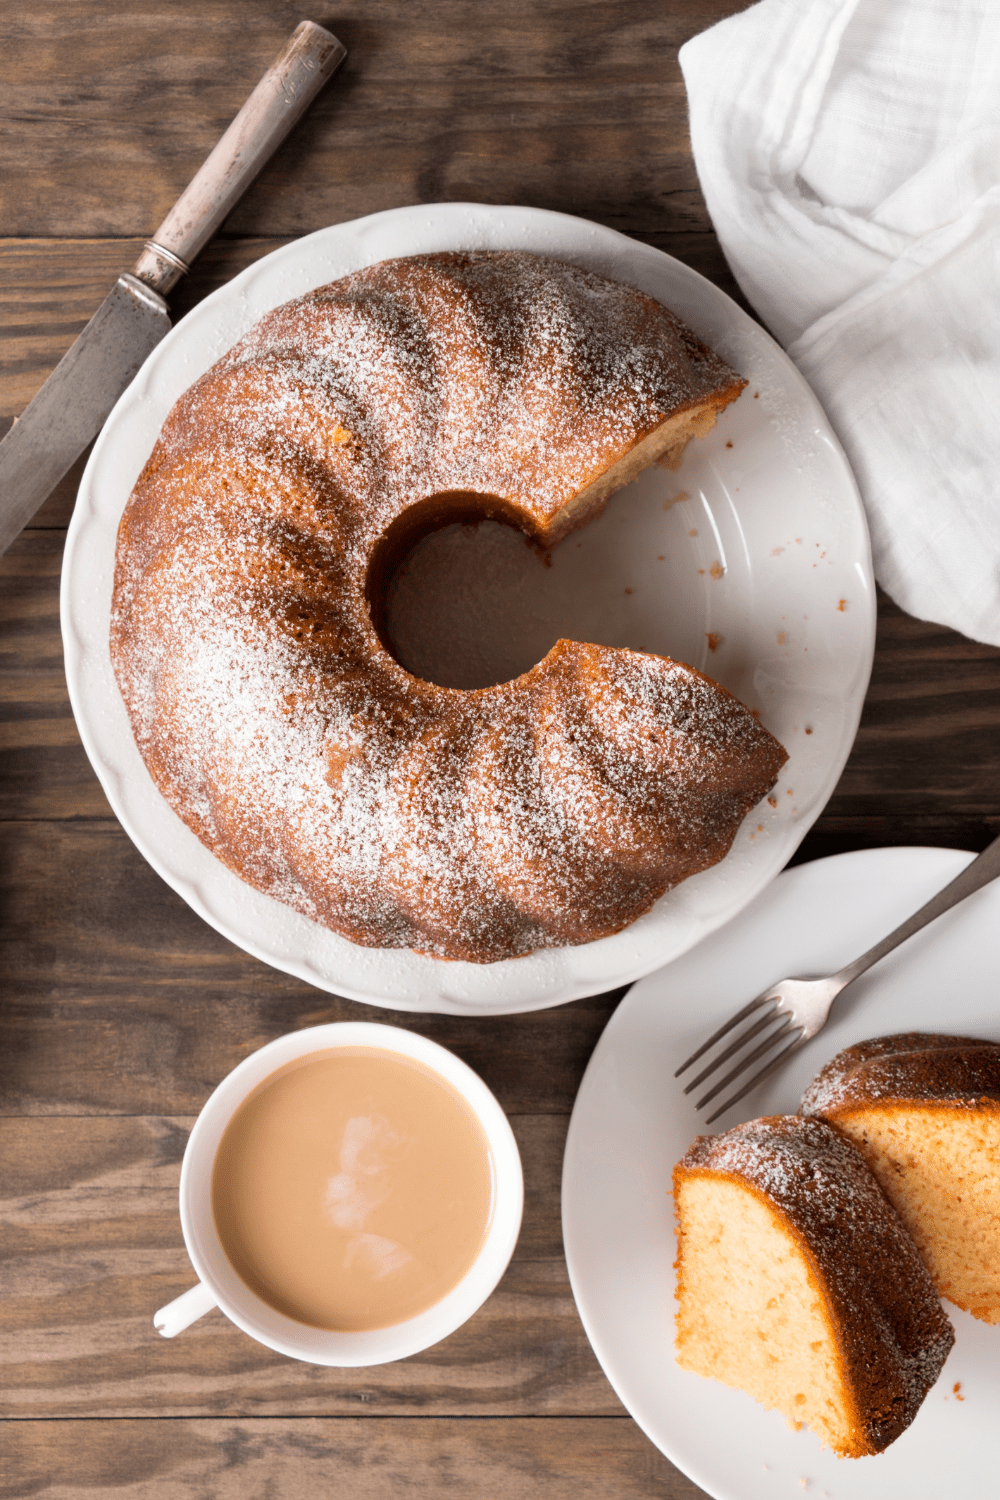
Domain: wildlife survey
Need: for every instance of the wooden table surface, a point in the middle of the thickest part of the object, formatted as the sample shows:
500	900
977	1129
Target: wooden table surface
120	1009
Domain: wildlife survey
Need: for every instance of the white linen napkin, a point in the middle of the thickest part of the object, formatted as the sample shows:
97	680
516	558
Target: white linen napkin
849	153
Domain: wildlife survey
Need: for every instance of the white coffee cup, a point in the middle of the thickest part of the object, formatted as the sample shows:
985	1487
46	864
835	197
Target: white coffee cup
220	1286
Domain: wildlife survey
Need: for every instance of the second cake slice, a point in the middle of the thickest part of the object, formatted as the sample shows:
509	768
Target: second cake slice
924	1111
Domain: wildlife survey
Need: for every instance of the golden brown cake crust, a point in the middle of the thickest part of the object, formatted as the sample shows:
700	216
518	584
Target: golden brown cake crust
245	627
882	1307
912	1067
924	1111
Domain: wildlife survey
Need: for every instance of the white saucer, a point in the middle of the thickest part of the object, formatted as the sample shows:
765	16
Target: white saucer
631	1123
766	559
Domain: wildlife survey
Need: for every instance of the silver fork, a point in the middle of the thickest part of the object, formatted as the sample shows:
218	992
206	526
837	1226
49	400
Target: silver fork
793	1010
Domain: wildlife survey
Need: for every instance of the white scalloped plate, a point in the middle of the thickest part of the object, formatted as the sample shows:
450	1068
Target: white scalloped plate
631	1123
766	554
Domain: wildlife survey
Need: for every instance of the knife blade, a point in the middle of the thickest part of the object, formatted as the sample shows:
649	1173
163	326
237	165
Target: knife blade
75	400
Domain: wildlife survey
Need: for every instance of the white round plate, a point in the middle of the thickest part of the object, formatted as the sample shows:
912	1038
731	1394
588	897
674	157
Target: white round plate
765	558
631	1123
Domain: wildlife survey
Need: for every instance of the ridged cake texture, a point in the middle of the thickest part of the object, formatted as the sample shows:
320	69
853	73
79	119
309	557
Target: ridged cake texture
249	645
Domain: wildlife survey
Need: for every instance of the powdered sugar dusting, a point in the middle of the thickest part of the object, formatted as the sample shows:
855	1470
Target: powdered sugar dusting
912	1067
466	824
887	1316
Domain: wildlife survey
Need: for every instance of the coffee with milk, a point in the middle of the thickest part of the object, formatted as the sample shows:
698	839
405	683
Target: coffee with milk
353	1188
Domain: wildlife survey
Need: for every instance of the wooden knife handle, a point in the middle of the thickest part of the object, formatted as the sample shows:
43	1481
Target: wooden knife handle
283	94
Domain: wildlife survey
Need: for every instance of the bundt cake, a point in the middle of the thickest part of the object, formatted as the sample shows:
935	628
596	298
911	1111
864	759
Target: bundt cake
249	643
924	1111
797	1283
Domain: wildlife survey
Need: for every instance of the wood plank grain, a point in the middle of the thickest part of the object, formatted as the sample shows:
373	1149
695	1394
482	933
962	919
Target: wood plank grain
372	1458
91	1244
925	767
92	1351
116	998
49	289
568	104
35	714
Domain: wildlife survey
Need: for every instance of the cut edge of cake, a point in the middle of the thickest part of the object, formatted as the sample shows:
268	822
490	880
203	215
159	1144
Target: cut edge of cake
923	1109
664	445
797	1283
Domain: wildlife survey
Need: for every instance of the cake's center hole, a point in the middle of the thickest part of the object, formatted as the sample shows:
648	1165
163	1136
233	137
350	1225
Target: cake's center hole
458	595
463	598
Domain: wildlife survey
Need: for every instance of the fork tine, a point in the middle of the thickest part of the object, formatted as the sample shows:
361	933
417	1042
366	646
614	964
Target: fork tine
716	1036
751	1057
740	1042
793	1046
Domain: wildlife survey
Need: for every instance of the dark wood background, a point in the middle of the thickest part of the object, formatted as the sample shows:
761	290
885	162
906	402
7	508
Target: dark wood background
120	1010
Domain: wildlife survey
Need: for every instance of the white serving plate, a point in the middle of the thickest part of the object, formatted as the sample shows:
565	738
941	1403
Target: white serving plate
792	612
631	1123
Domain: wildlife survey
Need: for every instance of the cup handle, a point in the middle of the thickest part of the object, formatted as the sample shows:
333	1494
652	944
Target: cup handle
183	1311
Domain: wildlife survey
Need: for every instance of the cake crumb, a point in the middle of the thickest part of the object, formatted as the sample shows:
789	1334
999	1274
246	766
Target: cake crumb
782	637
693	531
772	801
956	1391
713	640
808	729
676	499
776	551
842	606
729	445
717	570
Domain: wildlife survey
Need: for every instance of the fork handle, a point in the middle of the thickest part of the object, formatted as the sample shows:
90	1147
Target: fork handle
984	868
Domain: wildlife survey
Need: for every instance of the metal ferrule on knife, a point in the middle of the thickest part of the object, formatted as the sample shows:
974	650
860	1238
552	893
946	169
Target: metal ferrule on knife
75	401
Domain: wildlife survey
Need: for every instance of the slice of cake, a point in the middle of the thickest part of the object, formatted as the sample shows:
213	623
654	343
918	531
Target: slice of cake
924	1111
797	1283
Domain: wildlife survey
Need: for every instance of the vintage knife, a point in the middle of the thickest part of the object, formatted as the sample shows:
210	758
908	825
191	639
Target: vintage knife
74	402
